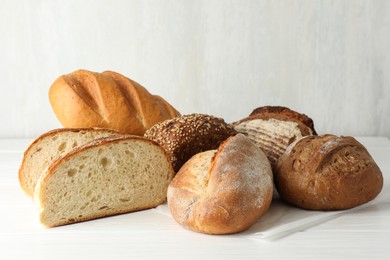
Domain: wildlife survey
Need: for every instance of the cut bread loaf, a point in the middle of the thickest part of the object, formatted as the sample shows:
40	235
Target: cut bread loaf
50	146
223	191
104	177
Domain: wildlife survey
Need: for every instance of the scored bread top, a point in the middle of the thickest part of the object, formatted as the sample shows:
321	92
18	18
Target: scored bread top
223	191
90	99
327	172
184	136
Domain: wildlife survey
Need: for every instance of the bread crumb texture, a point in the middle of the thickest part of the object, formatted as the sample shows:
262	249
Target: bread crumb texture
101	180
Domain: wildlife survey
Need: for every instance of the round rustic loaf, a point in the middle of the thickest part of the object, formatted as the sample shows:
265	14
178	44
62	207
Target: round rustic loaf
187	135
223	191
327	173
273	128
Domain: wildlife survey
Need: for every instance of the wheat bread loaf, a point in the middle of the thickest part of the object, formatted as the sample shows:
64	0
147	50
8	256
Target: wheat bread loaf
105	177
108	100
222	191
50	145
327	172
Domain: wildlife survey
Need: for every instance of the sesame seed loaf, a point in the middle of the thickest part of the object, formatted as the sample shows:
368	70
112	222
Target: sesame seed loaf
50	146
184	136
273	128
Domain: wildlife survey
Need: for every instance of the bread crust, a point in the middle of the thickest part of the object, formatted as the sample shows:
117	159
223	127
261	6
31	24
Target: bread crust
184	136
223	191
109	100
327	173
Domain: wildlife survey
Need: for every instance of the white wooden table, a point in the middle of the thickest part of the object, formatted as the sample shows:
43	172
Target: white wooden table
363	233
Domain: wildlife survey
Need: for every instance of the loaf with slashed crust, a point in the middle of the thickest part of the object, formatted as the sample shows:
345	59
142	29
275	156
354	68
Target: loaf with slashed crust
49	146
105	177
108	100
223	191
187	135
273	128
327	172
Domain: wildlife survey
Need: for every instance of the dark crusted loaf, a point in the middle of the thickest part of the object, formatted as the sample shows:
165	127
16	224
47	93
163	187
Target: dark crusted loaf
327	173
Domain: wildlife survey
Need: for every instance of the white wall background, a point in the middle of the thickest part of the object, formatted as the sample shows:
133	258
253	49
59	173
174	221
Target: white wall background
328	59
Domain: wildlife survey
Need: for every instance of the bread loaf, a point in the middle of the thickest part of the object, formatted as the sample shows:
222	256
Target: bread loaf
185	136
273	128
223	191
104	177
50	146
108	100
327	173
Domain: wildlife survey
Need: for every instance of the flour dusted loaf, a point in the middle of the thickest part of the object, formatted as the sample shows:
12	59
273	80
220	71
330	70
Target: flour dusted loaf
50	146
187	135
223	191
273	128
108	100
327	173
104	177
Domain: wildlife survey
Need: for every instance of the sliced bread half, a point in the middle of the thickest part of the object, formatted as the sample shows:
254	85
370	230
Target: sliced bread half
105	177
50	146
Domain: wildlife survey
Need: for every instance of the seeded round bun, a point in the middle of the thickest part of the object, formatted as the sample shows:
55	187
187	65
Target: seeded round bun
184	136
327	172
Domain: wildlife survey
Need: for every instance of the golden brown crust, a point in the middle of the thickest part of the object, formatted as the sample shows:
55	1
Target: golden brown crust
184	136
109	100
223	191
327	173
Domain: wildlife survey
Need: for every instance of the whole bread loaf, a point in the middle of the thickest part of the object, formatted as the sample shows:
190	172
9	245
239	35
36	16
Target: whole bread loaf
184	136
49	146
107	176
223	191
327	173
273	128
108	100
